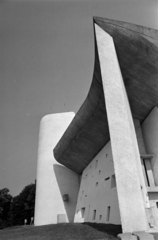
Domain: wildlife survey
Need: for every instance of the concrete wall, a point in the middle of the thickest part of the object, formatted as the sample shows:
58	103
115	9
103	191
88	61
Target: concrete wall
54	180
150	134
128	170
98	191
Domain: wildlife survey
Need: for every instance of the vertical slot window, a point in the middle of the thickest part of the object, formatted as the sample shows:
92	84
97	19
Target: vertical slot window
147	170
100	217
113	181
108	214
96	163
94	215
82	212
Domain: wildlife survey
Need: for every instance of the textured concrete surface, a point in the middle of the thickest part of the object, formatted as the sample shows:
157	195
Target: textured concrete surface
143	236
122	134
53	180
137	52
98	191
155	235
126	236
152	34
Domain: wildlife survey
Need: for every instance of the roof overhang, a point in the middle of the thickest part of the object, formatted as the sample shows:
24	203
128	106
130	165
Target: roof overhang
137	52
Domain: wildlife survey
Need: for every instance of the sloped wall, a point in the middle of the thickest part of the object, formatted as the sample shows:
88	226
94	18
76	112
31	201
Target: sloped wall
97	199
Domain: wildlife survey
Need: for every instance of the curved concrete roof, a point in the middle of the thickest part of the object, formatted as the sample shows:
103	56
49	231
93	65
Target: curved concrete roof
137	52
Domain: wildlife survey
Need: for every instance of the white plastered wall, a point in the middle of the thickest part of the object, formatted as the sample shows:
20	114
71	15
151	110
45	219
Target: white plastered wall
104	195
98	191
53	179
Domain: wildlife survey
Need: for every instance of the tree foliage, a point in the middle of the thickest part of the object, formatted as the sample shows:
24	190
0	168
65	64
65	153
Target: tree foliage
5	206
23	205
14	210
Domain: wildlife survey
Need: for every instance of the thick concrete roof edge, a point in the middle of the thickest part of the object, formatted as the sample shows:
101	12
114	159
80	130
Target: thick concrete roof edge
146	31
137	52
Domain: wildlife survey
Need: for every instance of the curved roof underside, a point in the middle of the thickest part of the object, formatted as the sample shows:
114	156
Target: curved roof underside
137	52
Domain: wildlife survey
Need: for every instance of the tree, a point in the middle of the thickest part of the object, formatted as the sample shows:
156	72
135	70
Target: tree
14	210
5	207
23	205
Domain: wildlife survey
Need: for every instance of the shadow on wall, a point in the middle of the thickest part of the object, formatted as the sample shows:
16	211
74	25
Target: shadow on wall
68	182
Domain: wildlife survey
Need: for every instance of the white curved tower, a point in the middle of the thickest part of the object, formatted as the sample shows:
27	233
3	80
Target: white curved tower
54	180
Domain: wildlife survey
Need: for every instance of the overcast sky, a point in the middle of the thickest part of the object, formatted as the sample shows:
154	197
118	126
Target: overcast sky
46	66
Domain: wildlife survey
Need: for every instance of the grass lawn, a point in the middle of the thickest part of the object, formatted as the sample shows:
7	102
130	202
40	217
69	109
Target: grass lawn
62	231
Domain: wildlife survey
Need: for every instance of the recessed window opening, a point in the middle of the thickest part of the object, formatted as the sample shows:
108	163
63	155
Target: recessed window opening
113	181
88	212
148	172
106	155
107	178
157	204
85	195
99	172
96	184
94	214
96	164
83	212
108	214
100	217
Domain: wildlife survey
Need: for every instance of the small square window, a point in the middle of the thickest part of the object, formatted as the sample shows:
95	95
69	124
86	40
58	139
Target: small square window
107	178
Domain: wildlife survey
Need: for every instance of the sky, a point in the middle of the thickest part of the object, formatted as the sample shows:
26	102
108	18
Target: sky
46	66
